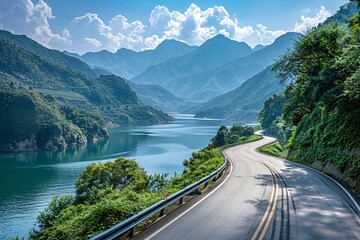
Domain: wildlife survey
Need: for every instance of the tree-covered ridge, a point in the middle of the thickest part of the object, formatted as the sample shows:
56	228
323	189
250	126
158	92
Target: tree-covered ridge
52	56
345	12
322	104
30	122
27	62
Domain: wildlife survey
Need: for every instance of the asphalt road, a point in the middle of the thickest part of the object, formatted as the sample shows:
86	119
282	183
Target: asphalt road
266	198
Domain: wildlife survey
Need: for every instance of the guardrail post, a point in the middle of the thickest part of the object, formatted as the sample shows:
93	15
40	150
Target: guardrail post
181	200
131	232
215	178
162	212
198	190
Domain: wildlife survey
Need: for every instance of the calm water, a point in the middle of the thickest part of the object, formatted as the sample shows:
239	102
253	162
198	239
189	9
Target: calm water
28	180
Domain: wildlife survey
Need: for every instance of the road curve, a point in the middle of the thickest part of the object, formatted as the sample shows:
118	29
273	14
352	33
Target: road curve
267	198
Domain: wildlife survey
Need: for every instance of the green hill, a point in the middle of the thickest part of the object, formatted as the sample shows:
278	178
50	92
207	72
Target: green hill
30	122
71	86
244	103
53	56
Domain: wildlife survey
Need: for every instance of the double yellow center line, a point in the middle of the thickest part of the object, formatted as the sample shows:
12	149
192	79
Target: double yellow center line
270	210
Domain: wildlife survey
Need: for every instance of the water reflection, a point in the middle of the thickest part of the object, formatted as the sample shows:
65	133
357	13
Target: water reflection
28	180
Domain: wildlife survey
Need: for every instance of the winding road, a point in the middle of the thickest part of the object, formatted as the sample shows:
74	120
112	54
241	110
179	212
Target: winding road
264	197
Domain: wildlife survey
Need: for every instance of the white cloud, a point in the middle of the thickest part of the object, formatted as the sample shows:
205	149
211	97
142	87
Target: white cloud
308	23
96	43
90	32
194	27
23	16
267	36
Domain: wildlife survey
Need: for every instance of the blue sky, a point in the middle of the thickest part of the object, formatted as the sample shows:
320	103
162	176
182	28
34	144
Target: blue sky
93	25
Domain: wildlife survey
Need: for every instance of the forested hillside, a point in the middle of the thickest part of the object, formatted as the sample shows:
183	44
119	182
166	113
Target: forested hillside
25	64
321	107
30	121
48	73
52	56
245	102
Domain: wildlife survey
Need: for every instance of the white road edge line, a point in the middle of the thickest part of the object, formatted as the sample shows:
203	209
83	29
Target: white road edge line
334	180
344	189
177	218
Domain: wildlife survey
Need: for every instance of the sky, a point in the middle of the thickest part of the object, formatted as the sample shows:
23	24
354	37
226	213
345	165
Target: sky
82	26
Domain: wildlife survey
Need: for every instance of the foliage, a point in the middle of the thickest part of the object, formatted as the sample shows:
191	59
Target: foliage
91	123
78	221
44	125
236	134
29	63
108	193
114	191
272	121
274	149
48	216
200	164
157	182
345	13
323	102
119	174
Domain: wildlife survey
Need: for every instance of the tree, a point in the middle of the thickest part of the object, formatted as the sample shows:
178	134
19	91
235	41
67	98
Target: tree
310	63
272	110
219	139
118	174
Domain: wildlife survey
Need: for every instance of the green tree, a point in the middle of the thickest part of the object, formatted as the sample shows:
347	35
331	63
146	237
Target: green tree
117	175
219	139
312	56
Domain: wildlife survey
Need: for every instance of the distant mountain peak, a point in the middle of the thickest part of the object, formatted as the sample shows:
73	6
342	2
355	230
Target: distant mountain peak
124	50
169	43
258	47
289	35
220	39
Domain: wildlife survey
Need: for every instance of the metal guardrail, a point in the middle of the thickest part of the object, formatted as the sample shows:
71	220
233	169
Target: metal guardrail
131	222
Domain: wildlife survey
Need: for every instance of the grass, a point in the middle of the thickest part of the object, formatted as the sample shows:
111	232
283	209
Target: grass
274	149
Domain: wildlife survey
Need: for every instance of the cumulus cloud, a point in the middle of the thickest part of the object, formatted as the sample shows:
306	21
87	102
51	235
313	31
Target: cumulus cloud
90	32
194	26
308	23
118	33
96	43
23	16
267	36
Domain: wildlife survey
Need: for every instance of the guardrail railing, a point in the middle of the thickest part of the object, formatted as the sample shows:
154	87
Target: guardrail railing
130	223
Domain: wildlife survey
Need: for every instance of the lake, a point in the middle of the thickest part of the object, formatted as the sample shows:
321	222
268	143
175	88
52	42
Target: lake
28	180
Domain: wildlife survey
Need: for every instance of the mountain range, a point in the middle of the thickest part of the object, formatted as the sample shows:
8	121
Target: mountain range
244	103
128	64
70	80
176	74
186	79
74	96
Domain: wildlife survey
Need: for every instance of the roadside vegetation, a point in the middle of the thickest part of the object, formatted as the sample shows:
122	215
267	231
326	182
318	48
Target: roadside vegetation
274	149
108	193
318	116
